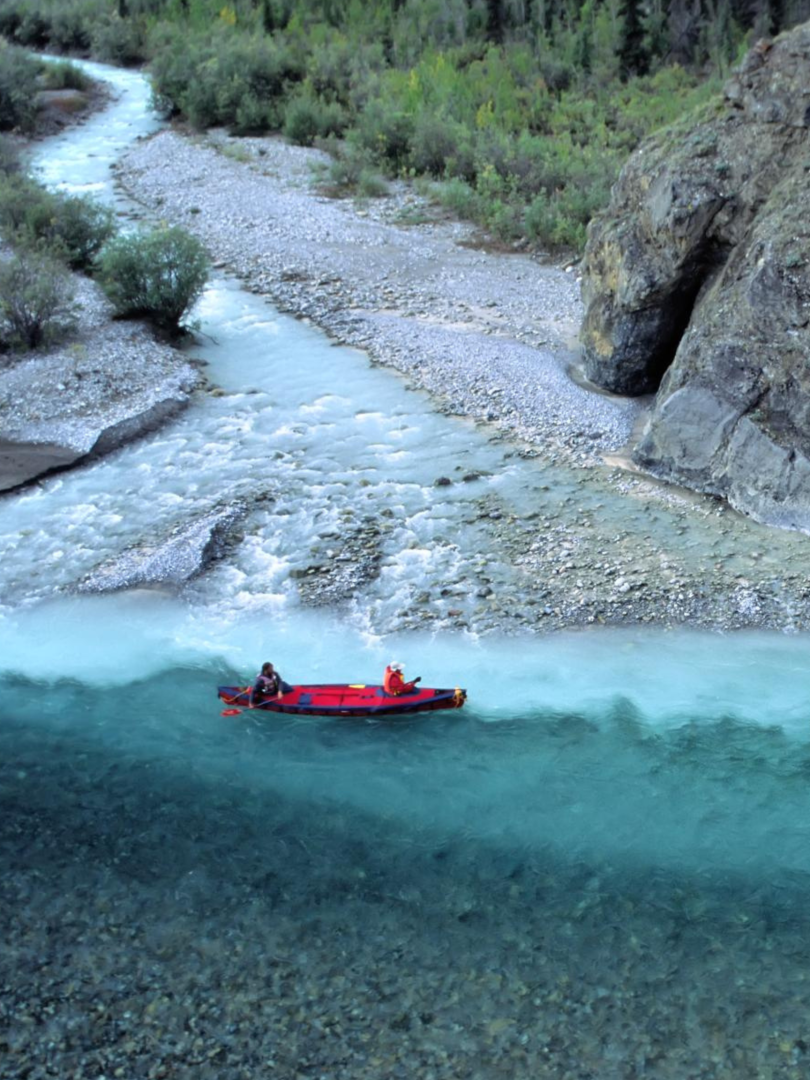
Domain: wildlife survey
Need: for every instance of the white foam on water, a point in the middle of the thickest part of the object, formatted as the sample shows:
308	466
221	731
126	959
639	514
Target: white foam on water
670	678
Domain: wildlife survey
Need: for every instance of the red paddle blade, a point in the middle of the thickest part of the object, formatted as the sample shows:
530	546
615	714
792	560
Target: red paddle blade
231	712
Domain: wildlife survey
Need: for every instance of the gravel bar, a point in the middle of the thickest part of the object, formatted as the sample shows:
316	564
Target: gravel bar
491	334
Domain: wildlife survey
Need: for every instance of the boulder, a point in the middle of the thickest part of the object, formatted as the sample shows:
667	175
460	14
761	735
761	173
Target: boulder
696	282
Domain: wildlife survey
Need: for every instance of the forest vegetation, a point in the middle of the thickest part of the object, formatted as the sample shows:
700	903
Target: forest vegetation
514	114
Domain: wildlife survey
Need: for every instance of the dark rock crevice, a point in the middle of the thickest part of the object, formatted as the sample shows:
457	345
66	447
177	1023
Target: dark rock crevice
646	340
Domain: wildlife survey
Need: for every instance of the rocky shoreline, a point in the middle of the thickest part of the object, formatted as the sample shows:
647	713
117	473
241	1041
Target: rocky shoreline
106	383
492	335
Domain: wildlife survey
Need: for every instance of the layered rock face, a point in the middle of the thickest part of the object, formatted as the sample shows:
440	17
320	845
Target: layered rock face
697	289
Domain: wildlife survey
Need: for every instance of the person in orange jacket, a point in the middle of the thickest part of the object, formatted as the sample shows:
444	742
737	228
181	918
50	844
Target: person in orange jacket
394	683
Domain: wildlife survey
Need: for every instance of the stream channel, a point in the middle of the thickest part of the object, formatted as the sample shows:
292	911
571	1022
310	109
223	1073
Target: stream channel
600	867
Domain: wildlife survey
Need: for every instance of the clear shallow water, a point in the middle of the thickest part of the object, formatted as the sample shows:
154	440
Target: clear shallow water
560	890
599	867
636	748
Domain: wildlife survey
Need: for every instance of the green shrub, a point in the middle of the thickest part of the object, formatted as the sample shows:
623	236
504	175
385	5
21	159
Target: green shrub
337	66
158	275
80	228
71	25
10	163
460	198
386	135
18	89
253	116
119	41
36	299
23	204
441	147
226	78
71	228
174	60
301	121
349	163
10	18
62	75
201	105
371	185
307	118
33	28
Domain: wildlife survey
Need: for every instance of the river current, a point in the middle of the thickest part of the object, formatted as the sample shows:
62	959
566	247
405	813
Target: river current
599	867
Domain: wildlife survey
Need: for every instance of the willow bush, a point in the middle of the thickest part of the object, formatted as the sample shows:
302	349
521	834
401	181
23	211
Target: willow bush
19	74
70	228
158	275
36	300
62	75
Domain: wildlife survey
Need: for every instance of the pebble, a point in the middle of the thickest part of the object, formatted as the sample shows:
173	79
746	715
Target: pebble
421	300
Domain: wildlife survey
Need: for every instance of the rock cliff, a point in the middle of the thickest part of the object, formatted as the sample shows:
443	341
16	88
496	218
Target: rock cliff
697	289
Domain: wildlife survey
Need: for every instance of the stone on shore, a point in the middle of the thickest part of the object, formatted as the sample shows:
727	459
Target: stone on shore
186	551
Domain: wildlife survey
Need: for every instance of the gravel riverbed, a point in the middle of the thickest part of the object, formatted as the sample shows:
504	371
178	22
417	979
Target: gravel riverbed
189	928
492	335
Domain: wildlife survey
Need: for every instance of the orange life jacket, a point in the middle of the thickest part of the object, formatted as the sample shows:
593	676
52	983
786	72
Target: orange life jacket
393	683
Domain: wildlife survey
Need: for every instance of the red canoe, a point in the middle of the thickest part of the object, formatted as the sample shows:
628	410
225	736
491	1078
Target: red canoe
340	699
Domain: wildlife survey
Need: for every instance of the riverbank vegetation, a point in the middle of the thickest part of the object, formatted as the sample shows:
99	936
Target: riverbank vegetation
155	275
516	114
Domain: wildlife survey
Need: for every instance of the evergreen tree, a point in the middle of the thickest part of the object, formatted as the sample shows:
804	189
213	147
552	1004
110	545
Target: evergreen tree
583	56
684	19
495	21
656	40
633	54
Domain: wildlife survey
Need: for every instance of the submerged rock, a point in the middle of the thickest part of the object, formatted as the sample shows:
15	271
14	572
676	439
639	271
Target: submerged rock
335	574
697	288
177	557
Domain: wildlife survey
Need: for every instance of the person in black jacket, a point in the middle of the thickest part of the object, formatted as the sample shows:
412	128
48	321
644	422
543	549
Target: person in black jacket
268	684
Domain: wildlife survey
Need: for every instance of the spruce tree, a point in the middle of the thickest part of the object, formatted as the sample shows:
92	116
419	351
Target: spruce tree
632	51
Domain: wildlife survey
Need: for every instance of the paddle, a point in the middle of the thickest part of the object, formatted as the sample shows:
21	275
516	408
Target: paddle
232	701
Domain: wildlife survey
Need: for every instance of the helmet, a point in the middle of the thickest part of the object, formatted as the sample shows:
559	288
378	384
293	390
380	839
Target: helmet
396	666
